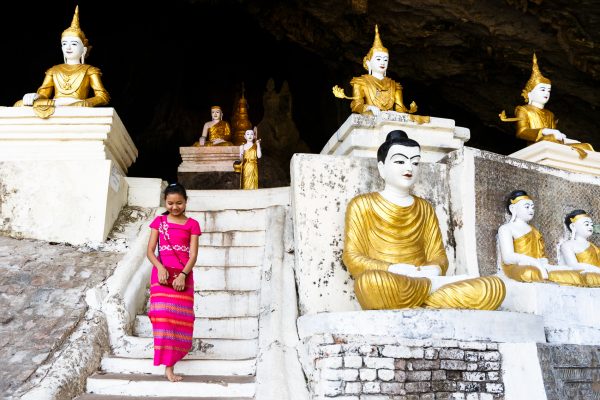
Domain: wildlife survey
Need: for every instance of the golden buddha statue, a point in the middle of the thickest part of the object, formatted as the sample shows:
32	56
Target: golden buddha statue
250	152
522	248
216	131
374	92
69	84
240	122
534	122
393	245
578	252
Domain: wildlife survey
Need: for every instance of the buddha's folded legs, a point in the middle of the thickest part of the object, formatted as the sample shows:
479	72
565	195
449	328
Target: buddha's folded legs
382	290
592	279
482	293
566	277
522	273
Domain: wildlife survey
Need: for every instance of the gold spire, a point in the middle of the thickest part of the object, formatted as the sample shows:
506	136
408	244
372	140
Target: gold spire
75	30
536	78
377	46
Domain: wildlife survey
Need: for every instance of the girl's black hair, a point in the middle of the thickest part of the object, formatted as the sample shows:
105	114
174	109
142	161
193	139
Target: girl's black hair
513	195
392	138
175	188
572	214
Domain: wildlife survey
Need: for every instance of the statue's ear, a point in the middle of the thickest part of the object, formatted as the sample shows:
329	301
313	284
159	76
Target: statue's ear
511	208
572	227
380	168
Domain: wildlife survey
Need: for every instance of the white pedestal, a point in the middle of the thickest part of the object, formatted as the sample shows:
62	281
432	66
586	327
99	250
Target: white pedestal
561	157
570	313
61	178
208	158
361	135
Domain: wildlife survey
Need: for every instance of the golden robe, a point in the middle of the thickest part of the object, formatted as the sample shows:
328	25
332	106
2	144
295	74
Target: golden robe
380	233
532	244
220	130
531	121
73	81
591	256
385	94
250	168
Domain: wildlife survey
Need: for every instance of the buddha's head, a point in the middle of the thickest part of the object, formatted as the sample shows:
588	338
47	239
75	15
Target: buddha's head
249	135
579	223
520	206
74	44
537	88
398	160
378	56
216	113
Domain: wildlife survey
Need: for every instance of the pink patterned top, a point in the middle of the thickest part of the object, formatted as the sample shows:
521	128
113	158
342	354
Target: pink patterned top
174	238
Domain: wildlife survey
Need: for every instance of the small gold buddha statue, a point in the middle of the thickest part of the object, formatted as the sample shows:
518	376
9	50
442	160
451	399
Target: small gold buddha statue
577	252
215	132
374	92
69	84
240	122
522	248
534	122
250	152
393	245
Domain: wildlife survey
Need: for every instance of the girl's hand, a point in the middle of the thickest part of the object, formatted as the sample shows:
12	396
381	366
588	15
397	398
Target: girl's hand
179	283
163	275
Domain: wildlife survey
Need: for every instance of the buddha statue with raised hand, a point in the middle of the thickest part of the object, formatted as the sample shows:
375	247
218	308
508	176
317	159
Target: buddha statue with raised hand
374	92
393	245
577	252
534	122
69	84
522	248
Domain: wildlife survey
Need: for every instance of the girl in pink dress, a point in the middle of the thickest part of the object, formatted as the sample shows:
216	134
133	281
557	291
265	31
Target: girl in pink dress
172	282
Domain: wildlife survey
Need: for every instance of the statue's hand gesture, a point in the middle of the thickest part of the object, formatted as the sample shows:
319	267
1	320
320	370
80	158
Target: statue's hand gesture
29	98
558	135
375	110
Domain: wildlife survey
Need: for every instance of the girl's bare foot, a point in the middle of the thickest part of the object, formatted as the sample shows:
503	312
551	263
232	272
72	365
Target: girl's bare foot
170	374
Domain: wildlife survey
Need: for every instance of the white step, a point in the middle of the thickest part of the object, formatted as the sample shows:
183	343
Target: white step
202	349
226	304
154	386
201	200
120	365
209	328
230	220
88	396
226	278
230	256
233	238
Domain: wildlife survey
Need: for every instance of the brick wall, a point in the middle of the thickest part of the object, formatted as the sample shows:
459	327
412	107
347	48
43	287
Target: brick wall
353	367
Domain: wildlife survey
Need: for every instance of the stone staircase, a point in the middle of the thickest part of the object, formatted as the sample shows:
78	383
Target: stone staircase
222	363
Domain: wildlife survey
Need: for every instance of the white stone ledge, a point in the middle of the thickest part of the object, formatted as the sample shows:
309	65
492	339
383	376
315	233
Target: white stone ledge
464	325
215	200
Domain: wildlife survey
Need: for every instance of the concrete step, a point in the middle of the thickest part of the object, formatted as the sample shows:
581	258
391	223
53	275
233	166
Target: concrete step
230	220
202	349
89	396
226	278
223	304
155	385
203	200
121	365
209	328
233	238
230	256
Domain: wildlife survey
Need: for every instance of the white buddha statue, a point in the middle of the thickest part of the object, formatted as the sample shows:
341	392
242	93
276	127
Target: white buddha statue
577	252
522	248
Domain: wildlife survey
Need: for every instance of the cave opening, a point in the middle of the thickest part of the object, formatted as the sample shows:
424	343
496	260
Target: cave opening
165	64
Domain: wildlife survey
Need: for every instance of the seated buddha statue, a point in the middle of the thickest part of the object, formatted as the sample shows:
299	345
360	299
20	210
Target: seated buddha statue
69	84
374	92
393	245
215	132
577	252
534	122
522	250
